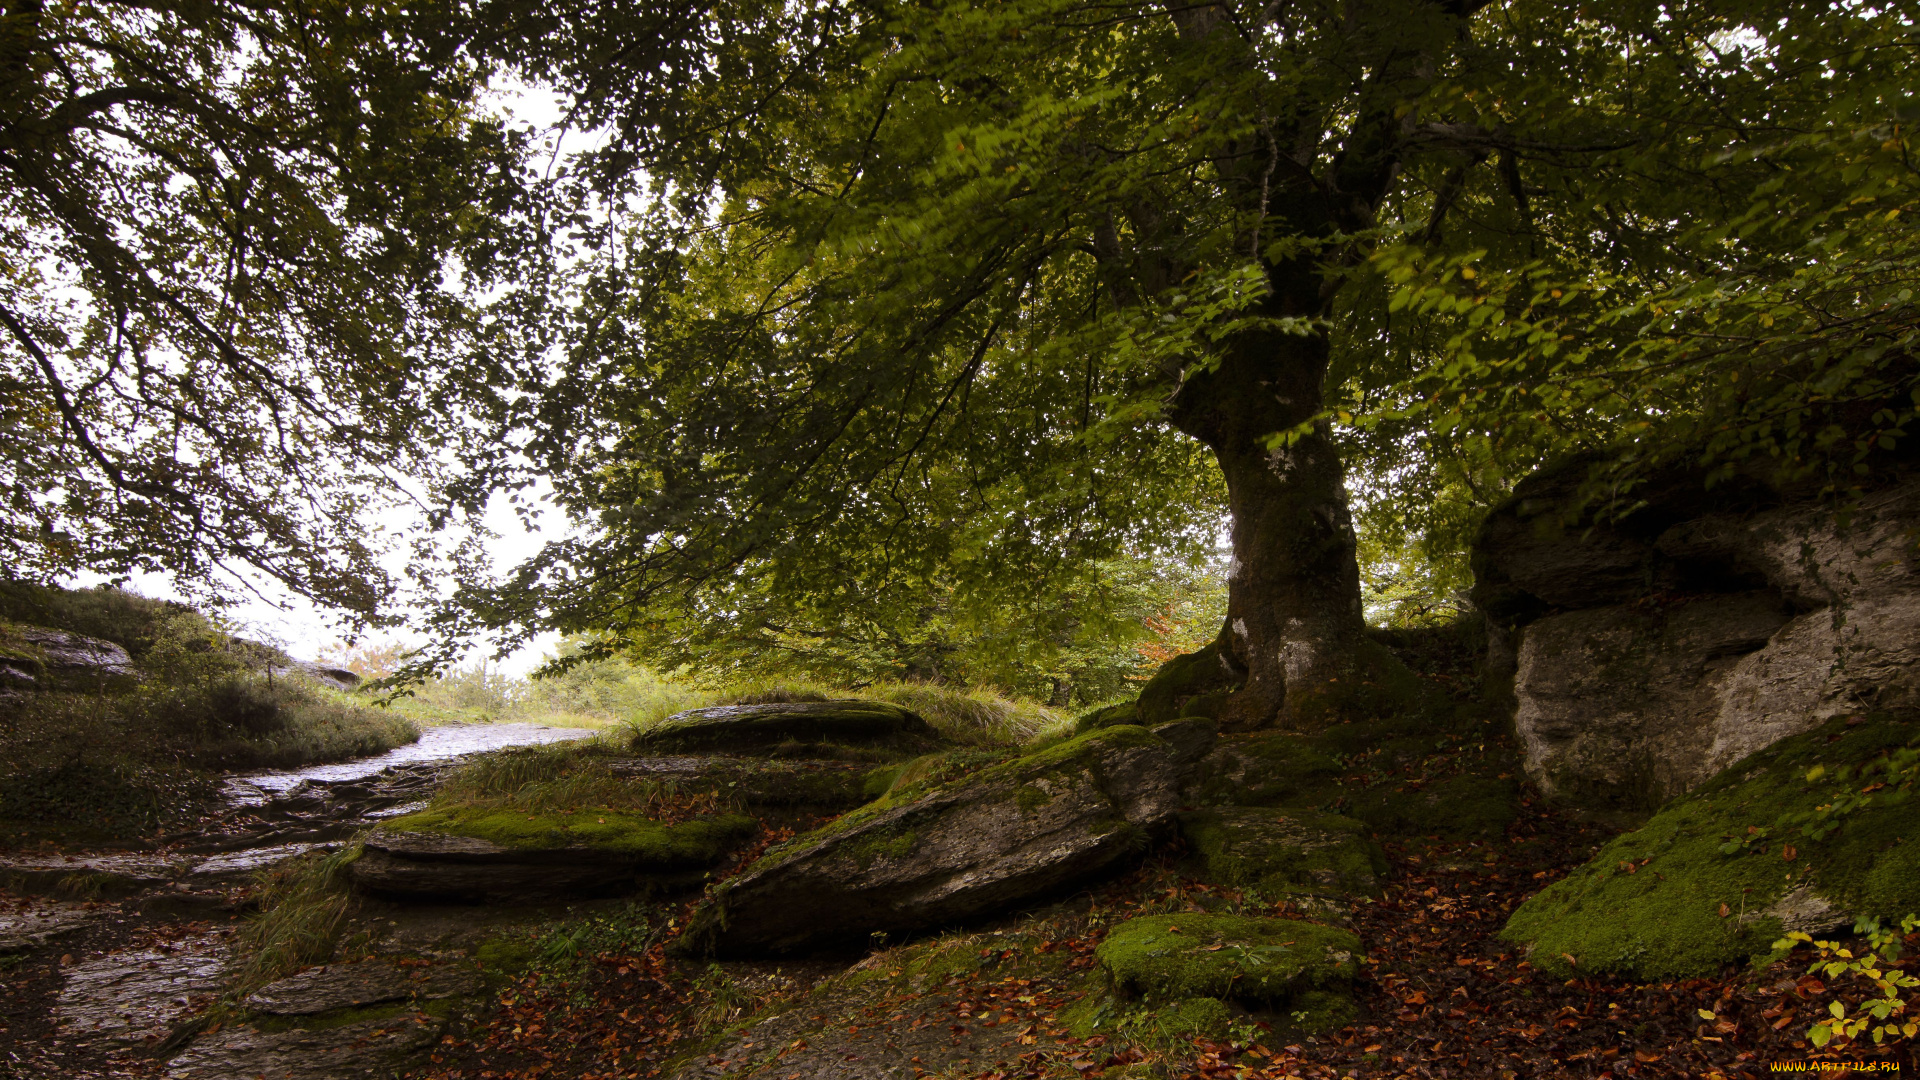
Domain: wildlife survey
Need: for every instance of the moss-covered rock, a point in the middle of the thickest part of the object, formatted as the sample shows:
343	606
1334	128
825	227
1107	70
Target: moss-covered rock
1720	873
1462	807
1284	852
499	853
1285	964
792	729
1268	768
930	853
1191	685
700	842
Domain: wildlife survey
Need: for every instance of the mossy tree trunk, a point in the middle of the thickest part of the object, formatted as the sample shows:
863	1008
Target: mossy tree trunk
1294	622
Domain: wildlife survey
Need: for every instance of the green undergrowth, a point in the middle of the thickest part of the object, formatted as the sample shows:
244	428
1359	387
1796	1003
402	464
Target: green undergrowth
132	756
303	908
1701	885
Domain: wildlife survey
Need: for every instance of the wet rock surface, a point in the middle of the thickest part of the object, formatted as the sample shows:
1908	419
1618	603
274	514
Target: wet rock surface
25	926
134	997
330	987
987	842
351	1051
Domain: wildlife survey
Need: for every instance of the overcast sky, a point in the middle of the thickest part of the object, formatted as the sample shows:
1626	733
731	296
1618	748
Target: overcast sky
285	620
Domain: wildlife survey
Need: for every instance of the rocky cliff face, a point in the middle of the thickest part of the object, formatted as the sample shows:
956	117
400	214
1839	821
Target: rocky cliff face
1649	654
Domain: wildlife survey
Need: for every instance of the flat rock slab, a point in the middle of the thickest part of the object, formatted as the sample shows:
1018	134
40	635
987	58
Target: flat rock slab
134	997
110	874
979	845
401	864
27	926
756	781
358	1051
789	726
347	986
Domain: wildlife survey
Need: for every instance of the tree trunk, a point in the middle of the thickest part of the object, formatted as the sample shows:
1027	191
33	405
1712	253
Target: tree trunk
1293	591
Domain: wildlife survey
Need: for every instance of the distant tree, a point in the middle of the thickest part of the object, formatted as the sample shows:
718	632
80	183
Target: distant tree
240	243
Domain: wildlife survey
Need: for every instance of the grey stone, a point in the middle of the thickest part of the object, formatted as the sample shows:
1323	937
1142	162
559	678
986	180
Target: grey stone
990	841
372	982
39	657
1653	653
787	725
28	926
368	1049
135	997
1192	737
430	865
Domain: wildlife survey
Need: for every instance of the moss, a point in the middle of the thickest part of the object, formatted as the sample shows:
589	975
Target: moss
897	846
690	843
1267	769
1650	904
1458	808
1182	680
1127	712
1373	684
1202	1016
929	771
1031	797
1263	961
504	955
1299	851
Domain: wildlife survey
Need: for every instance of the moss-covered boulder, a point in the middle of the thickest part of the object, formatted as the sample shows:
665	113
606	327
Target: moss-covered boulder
1279	852
503	853
1268	768
1467	806
1192	684
762	782
1804	835
931	854
1293	967
794	728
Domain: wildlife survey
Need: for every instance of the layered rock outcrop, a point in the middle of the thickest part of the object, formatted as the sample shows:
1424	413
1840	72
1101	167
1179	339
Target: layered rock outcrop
926	857
1648	654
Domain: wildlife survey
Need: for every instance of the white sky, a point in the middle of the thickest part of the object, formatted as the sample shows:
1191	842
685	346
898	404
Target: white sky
282	619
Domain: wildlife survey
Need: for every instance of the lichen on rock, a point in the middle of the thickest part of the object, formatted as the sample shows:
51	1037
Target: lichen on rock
930	854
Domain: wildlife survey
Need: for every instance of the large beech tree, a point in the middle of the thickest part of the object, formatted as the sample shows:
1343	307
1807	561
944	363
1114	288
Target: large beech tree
925	282
872	289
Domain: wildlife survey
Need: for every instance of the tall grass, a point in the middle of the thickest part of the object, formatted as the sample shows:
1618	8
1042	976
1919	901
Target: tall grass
130	755
304	904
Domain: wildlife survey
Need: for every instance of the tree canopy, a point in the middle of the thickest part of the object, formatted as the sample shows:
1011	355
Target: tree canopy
881	291
235	305
867	326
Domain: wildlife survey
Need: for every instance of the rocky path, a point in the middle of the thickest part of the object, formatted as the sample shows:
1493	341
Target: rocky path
109	959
